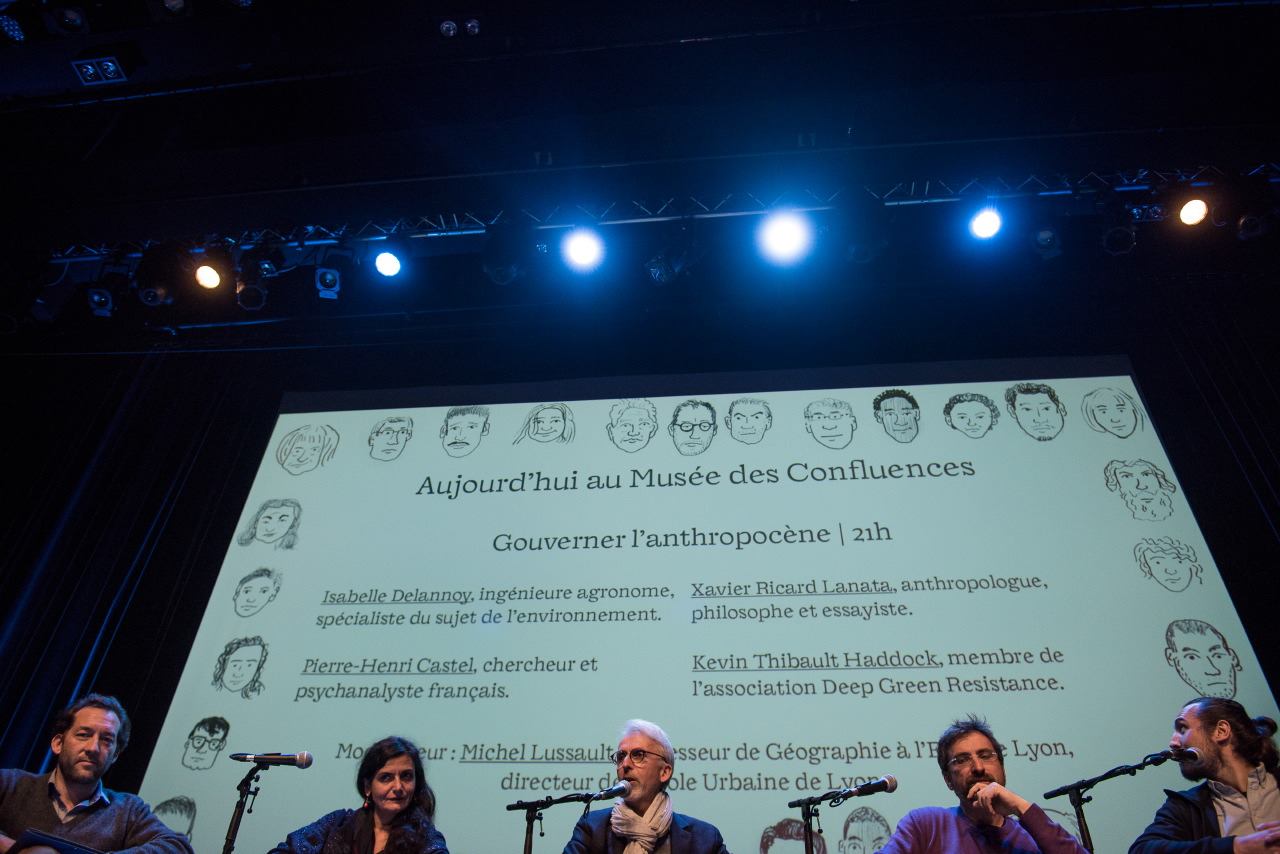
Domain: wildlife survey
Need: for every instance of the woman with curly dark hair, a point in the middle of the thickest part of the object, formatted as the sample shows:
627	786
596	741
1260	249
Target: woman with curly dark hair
396	815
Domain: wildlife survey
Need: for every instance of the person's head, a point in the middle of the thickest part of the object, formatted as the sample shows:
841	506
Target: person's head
306	448
87	737
968	753
1145	488
1036	408
779	838
463	428
275	523
1170	562
179	813
692	427
749	419
239	667
1222	732
548	422
255	591
632	423
1202	658
1112	410
971	413
391	779
389	436
830	422
865	832
898	413
646	759
205	742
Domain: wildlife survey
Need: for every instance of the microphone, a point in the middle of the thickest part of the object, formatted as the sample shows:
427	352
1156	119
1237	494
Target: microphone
301	759
620	789
887	783
1177	754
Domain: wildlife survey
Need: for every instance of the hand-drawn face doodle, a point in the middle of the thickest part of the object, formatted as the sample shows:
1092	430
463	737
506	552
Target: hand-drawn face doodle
865	832
632	423
1145	488
389	436
179	813
255	591
547	422
692	427
239	667
1202	658
1036	408
748	420
787	837
830	422
275	523
205	742
463	428
1170	562
898	413
306	448
971	414
1112	410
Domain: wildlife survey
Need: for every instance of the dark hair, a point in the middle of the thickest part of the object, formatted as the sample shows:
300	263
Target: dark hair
958	730
1012	392
254	687
789	828
1251	738
179	805
211	725
865	815
66	717
890	393
383	751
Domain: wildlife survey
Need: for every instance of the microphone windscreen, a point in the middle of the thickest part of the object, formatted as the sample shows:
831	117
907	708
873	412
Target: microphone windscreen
890	783
304	759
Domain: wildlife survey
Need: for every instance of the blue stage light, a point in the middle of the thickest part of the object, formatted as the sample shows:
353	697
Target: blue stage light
985	224
785	238
387	263
582	249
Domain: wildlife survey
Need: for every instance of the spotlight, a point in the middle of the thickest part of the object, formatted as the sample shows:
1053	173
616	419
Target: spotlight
582	249
472	27
1047	243
985	224
103	296
784	238
1193	212
101	302
66	20
262	262
387	263
207	276
217	266
1119	240
508	248
675	258
160	269
251	296
448	29
1249	226
328	283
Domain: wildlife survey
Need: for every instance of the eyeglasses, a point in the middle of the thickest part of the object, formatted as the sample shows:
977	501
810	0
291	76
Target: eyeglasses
199	742
964	760
823	416
690	426
638	756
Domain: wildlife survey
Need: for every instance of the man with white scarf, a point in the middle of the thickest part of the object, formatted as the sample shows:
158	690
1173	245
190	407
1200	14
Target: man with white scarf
643	822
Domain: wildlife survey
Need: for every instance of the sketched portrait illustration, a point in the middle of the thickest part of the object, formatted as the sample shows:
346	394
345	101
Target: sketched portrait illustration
1170	563
632	423
1202	658
865	832
239	667
830	422
256	591
970	413
179	813
748	420
547	423
275	524
787	837
1036	409
306	448
692	427
898	413
463	428
205	742
389	436
1112	410
1144	487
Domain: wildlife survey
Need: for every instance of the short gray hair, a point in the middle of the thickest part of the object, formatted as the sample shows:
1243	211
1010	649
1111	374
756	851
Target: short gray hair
653	732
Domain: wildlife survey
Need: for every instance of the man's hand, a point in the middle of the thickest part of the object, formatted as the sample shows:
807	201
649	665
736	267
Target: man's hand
996	800
6	842
1267	838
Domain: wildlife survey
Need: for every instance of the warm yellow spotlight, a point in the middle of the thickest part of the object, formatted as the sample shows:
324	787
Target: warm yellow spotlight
1193	212
207	277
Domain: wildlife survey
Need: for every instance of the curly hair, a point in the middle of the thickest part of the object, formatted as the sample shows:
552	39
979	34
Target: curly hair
254	686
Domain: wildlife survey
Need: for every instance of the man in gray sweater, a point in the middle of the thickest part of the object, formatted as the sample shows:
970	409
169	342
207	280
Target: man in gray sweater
71	802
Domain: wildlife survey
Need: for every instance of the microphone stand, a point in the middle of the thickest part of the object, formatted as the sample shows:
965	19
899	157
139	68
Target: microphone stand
243	787
533	812
809	812
1076	791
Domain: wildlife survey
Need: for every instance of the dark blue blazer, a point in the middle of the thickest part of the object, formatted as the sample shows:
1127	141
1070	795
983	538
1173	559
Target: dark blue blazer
591	835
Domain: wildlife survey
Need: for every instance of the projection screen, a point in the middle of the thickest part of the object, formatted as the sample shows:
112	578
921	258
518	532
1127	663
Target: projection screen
804	577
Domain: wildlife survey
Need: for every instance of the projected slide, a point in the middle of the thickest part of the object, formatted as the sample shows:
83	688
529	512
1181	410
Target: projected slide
803	582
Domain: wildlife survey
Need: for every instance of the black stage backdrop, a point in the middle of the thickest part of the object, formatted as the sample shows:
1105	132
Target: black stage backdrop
126	472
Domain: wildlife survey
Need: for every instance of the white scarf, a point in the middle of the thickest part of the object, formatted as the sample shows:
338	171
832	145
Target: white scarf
642	832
